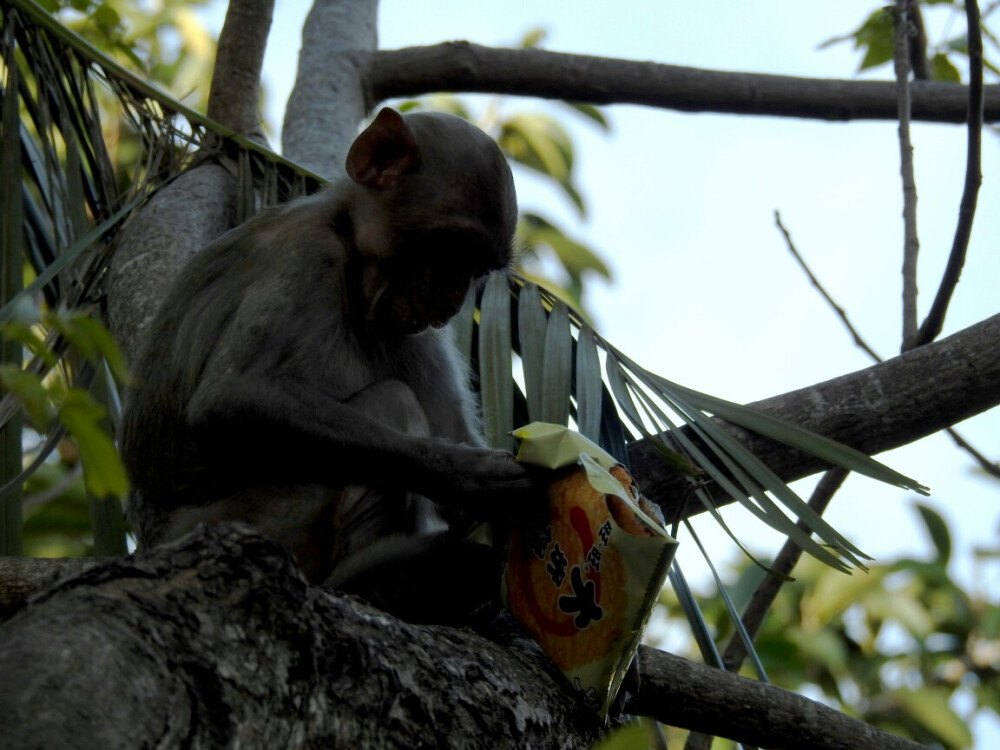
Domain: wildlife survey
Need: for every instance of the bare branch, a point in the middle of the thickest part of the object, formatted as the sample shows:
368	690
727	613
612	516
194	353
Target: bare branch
882	407
911	244
784	563
746	710
234	98
932	325
990	467
461	66
841	313
916	47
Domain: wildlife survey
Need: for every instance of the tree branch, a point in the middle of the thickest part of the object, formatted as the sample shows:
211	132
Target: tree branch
931	327
681	693
873	410
841	313
234	97
329	99
767	591
143	652
461	66
159	238
911	243
990	467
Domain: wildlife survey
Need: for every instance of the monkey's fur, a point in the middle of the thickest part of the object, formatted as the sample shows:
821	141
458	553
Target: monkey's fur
297	376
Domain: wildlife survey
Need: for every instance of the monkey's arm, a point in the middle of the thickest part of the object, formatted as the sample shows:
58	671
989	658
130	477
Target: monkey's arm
257	430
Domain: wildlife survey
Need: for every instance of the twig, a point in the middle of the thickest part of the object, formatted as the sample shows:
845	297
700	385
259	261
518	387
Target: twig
917	47
911	244
830	301
767	591
765	594
932	325
990	467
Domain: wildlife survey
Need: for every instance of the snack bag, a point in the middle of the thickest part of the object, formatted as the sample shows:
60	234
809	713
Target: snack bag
584	584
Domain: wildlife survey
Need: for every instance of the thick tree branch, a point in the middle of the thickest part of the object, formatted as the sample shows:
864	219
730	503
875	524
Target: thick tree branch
218	641
146	652
159	238
234	98
681	693
328	100
461	66
882	407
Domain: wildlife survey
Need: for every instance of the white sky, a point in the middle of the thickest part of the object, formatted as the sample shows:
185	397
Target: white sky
681	206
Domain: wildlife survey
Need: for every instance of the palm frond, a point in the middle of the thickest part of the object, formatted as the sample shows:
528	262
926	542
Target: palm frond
562	381
85	143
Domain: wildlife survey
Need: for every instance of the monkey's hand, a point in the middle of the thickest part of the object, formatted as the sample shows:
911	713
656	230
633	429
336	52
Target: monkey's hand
490	484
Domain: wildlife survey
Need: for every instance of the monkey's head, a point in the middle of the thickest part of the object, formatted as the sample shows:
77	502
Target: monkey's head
436	210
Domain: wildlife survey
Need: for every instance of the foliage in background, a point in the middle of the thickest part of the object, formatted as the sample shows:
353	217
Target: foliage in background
84	143
874	38
163	41
903	648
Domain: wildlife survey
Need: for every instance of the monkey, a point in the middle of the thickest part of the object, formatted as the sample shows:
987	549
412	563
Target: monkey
300	376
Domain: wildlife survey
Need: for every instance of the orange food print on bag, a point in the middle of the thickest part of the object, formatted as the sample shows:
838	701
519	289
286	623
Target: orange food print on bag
574	611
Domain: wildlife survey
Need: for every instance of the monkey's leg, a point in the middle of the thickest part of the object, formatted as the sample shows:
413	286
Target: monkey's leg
394	551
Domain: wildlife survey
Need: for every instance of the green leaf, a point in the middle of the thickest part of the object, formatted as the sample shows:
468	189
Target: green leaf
101	341
616	379
592	113
533	38
589	386
575	257
540	143
103	471
876	37
557	366
943	70
531	320
72	253
30	391
535	230
797	437
930	708
496	385
938	531
632	736
106	18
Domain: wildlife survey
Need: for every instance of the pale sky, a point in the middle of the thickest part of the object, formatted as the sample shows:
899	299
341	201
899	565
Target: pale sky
681	207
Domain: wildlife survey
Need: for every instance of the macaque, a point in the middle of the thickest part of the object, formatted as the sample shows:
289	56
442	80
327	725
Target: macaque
298	376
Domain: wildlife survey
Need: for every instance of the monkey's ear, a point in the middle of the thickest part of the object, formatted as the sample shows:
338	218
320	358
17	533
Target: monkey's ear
383	152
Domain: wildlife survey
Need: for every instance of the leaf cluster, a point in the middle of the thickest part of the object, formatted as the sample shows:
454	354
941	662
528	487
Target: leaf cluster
895	648
874	39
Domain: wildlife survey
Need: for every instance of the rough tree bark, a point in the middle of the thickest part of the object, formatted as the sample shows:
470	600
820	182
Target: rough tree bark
461	66
217	639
